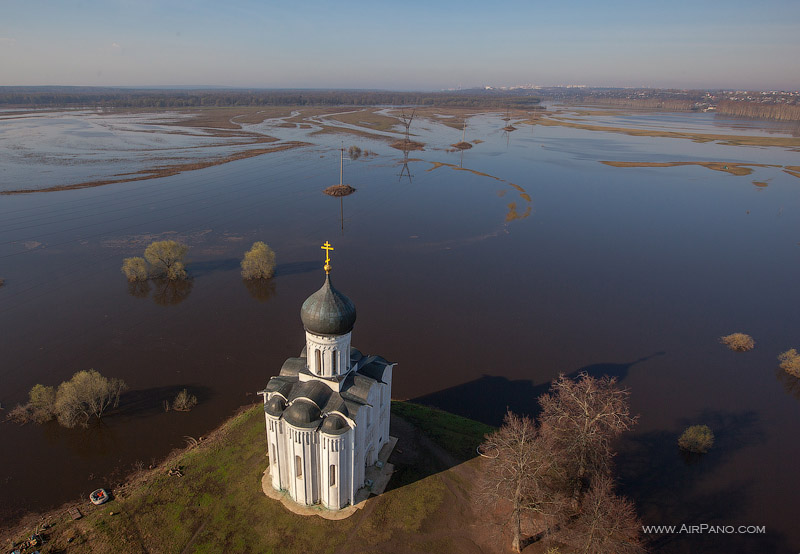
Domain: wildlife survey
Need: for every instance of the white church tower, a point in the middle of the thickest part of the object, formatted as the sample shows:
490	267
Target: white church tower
328	410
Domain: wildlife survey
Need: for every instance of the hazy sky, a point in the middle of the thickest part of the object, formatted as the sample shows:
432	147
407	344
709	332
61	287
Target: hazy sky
412	44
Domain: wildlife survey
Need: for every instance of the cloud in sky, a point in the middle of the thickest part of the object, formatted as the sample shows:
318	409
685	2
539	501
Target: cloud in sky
115	45
7	40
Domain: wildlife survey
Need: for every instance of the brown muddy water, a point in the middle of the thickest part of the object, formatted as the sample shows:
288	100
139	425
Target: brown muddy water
482	284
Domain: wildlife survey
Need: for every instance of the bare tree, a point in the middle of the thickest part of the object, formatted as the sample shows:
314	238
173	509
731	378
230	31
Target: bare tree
606	524
581	418
87	394
166	259
519	470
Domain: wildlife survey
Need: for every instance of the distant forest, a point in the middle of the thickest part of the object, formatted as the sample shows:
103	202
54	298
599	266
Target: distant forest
779	112
40	97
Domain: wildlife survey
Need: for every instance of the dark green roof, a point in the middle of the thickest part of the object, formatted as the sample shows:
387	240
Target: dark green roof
328	311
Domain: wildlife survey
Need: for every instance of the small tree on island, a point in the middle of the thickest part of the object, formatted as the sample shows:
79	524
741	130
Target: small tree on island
258	262
166	260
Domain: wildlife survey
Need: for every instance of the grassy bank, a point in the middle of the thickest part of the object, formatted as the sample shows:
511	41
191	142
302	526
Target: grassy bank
217	505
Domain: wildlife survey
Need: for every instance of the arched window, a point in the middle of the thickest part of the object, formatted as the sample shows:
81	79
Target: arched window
332	477
298	467
333	358
319	362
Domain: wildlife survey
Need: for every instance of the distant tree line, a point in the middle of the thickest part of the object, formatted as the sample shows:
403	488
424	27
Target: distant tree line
148	98
670	104
779	112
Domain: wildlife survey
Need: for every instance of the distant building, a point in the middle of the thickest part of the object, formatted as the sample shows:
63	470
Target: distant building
327	412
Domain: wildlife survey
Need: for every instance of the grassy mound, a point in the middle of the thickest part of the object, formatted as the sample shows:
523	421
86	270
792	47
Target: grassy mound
214	501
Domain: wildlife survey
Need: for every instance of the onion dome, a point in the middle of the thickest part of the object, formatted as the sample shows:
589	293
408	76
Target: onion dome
334	425
328	311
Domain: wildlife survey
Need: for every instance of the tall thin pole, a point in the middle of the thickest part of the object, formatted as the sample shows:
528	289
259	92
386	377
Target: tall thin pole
341	165
464	134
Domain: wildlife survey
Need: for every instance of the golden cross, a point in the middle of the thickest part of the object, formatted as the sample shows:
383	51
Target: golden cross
327	248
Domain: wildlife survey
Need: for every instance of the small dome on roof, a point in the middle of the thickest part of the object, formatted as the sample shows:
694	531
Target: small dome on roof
276	405
302	413
334	425
328	311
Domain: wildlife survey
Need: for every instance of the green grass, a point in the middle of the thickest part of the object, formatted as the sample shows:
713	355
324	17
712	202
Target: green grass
218	504
458	435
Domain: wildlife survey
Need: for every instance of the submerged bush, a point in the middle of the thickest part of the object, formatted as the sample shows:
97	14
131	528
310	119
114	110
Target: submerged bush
184	401
738	342
87	394
697	438
42	401
258	262
790	362
20	414
135	269
166	259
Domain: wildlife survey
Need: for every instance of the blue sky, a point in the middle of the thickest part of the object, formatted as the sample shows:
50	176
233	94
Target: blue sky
401	45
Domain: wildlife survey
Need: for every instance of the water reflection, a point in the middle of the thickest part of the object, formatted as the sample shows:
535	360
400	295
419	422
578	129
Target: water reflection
791	384
139	289
260	289
171	293
669	487
405	170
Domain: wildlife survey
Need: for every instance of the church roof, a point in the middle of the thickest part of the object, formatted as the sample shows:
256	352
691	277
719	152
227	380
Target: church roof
275	406
374	367
293	366
302	413
310	402
328	311
334	425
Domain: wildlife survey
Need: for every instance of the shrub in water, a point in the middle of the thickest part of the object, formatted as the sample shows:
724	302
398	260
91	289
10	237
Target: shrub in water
135	269
790	362
738	342
697	438
184	401
258	262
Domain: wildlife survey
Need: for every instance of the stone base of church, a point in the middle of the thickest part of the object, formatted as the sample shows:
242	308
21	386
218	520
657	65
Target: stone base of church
380	479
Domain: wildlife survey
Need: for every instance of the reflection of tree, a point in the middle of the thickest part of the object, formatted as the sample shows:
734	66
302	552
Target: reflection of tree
139	289
790	383
260	289
170	293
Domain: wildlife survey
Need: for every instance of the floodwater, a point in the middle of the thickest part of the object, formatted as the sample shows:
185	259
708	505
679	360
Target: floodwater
483	274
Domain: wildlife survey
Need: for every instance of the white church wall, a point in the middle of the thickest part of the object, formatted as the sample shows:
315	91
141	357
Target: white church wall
329	347
303	465
274	450
335	454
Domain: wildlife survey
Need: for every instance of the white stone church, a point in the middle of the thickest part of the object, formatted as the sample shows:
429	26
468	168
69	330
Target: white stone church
328	410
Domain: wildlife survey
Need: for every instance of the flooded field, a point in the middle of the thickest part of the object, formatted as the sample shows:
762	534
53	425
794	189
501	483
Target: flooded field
484	273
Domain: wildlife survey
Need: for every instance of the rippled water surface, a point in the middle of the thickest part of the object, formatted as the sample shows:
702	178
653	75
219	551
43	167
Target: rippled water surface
484	275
